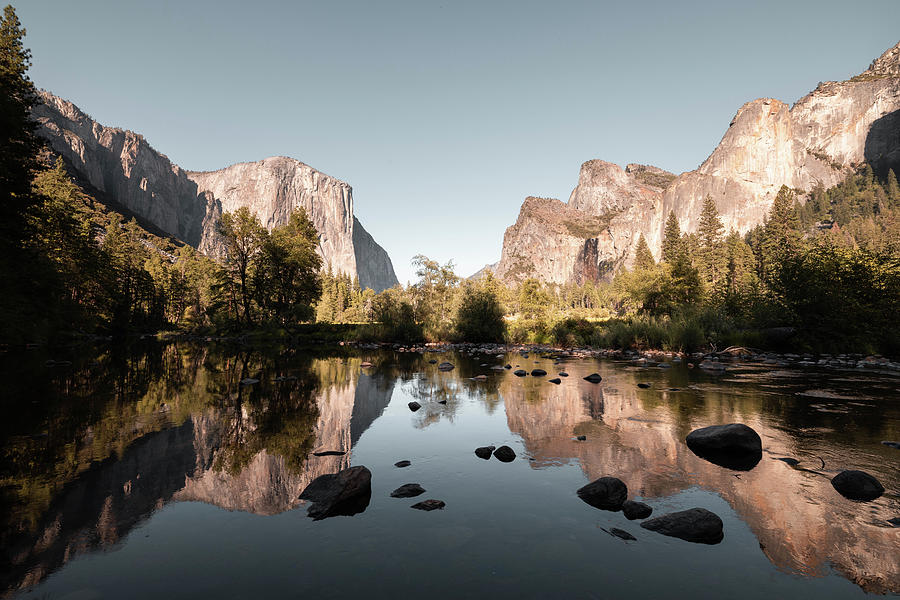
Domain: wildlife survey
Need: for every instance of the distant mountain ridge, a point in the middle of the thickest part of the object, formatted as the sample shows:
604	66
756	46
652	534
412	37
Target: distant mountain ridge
187	204
768	144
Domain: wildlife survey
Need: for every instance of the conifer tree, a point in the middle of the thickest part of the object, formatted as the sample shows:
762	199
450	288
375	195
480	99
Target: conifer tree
711	253
643	257
18	144
671	245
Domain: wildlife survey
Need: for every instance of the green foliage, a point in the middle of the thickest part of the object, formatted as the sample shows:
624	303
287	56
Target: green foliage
643	257
395	317
479	316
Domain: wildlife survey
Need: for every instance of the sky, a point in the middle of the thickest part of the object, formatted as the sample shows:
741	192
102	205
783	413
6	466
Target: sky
444	115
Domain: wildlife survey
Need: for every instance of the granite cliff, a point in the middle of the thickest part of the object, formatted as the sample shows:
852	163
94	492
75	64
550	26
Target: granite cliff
827	133
127	172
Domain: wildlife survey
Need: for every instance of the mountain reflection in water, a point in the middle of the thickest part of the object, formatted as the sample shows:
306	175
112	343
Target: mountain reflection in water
111	441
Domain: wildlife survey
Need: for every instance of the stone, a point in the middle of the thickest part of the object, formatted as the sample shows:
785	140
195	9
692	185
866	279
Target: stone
432	362
408	490
402	463
346	492
484	452
187	205
414	406
594	378
643	386
581	438
520	372
507	366
555	380
429	504
892	445
857	485
563	374
505	454
445	366
734	446
330	453
606	493
538	372
636	510
767	144
696	525
621	534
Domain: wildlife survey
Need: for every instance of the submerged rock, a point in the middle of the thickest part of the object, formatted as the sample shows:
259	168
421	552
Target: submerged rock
563	374
555	380
594	378
857	485
520	372
581	438
505	454
621	534
345	493
408	490
430	504
734	446
484	452
538	372
696	525
402	463
644	386
636	510
414	406
606	493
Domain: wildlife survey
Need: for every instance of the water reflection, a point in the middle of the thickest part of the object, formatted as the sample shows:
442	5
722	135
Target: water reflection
802	524
92	450
117	439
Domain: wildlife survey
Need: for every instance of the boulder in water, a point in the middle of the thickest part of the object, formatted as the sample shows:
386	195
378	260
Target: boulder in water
734	446
696	525
346	493
606	493
857	485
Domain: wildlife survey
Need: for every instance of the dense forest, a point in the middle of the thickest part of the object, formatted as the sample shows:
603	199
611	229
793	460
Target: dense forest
821	273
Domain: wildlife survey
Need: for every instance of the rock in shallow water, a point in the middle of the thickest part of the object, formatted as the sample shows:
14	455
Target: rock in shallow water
636	510
330	453
857	485
445	366
644	386
621	534
430	504
734	446
484	452
408	490
696	525
538	372
402	463
520	372
594	378
414	406
505	454
346	493
606	493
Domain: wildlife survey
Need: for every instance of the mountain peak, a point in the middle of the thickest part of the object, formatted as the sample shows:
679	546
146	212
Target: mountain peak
888	64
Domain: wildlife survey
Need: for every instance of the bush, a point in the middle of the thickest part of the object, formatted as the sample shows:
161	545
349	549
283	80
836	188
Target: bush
479	317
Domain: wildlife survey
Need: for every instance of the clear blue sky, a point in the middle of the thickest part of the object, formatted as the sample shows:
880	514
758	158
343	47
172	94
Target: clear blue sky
443	115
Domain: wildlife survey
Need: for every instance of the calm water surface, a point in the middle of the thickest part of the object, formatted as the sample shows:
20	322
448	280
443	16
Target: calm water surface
155	473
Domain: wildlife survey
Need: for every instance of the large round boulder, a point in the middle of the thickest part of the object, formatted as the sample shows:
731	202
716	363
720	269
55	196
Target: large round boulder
696	525
734	446
606	493
636	510
857	485
346	493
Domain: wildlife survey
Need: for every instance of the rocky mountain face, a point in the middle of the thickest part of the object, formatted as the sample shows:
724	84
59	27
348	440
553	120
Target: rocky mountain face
128	172
768	144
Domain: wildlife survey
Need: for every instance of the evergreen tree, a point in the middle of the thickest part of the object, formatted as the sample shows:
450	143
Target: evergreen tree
18	144
711	253
780	234
643	257
671	245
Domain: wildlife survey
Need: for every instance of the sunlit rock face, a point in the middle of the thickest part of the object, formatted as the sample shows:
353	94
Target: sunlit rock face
129	174
802	524
768	144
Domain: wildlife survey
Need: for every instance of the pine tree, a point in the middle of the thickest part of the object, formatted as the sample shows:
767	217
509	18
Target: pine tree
671	245
892	187
780	234
711	253
18	144
643	257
